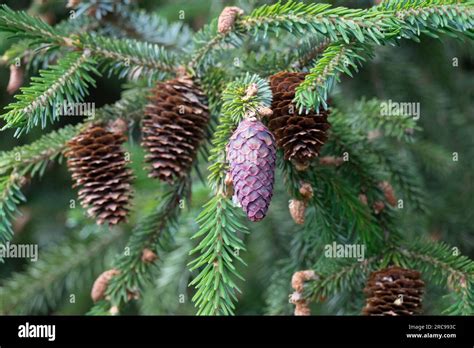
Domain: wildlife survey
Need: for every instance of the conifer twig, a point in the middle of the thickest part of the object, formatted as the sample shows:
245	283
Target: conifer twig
23	25
337	57
153	233
129	58
65	82
219	222
10	197
445	265
65	269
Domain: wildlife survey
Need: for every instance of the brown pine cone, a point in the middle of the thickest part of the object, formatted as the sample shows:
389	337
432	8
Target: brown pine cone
394	291
174	127
99	167
299	135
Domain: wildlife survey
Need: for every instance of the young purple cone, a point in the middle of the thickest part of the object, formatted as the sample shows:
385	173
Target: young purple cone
251	153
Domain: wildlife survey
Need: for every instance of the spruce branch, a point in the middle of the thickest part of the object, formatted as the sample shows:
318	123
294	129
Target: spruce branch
33	159
38	54
219	225
100	9
129	107
65	82
208	40
444	265
433	157
334	211
354	33
153	233
340	275
346	211
368	115
432	17
350	127
173	277
335	23
377	25
404	175
129	58
219	222
412	18
337	58
22	25
373	26
309	51
342	140
69	267
152	28
125	57
26	161
10	197
298	18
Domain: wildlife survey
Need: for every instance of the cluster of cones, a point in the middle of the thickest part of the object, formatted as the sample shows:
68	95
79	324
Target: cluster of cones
174	126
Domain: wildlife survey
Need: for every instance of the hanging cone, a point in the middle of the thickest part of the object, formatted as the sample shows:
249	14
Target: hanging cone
251	154
98	165
173	128
299	135
394	291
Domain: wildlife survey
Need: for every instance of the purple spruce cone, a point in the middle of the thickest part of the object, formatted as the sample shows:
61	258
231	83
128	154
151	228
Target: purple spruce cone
251	153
